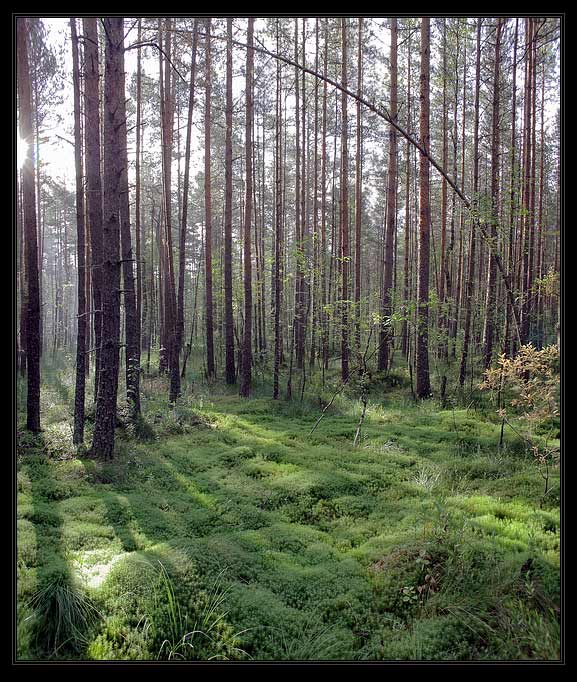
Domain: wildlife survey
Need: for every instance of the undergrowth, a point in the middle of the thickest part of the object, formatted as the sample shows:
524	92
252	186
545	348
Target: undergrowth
223	530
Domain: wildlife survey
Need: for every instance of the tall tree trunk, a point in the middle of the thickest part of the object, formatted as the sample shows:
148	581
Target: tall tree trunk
30	230
423	388
344	217
532	192
185	186
386	329
230	370
314	284
471	264
358	196
490	300
299	217
541	242
323	244
512	194
93	181
170	342
459	292
39	216
103	438
79	392
278	227
22	280
210	369
443	346
407	260
246	367
137	200
131	317
526	194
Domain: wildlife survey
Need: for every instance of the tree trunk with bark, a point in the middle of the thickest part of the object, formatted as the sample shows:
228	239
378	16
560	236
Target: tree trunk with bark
386	328
423	388
491	300
30	231
80	386
131	318
209	314
230	370
246	367
93	181
471	265
105	421
344	214
185	186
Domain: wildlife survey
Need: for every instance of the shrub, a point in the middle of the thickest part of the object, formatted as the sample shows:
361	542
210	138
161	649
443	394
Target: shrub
61	613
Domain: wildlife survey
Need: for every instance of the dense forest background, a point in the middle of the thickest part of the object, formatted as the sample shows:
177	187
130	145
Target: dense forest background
308	210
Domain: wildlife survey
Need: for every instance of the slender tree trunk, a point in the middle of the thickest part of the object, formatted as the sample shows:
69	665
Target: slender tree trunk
185	186
471	265
323	245
246	368
423	388
79	393
170	303
459	292
103	438
210	368
262	242
22	280
407	261
532	192
512	194
541	242
358	196
299	217
443	347
131	317
137	199
526	194
314	283
278	227
344	214
387	308
31	239
490	300
93	181
228	312
305	194
39	216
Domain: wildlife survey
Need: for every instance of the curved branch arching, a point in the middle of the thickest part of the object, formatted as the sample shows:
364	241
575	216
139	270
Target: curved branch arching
384	114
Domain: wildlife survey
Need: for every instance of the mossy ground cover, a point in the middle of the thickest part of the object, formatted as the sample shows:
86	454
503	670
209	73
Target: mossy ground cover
222	529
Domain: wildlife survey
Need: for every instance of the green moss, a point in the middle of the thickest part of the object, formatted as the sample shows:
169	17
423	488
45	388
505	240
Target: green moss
155	606
446	638
315	549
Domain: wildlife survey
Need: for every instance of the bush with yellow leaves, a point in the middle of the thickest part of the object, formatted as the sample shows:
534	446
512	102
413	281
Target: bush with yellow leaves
531	379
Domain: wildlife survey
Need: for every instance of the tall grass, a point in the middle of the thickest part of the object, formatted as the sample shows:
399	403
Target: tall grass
185	642
62	615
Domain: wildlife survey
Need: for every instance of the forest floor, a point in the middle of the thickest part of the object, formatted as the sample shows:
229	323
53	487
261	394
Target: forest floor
222	529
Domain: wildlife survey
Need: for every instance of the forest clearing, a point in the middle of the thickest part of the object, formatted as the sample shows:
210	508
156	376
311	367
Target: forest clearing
287	339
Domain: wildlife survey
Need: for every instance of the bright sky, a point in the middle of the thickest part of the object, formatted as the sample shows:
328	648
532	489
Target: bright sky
58	153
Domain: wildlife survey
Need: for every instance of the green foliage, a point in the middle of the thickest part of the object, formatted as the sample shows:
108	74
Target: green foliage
151	614
61	614
532	377
233	534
